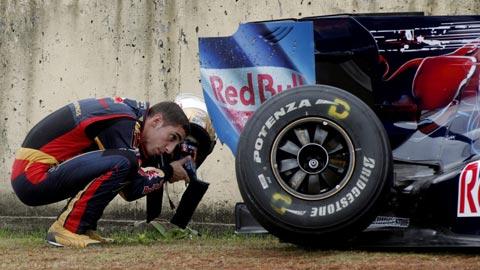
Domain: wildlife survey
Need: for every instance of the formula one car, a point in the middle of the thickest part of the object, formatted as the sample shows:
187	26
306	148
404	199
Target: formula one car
353	129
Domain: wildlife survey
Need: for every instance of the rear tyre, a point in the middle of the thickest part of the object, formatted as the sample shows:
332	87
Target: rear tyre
314	165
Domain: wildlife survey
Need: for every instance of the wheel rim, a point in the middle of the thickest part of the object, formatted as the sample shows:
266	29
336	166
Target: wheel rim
312	158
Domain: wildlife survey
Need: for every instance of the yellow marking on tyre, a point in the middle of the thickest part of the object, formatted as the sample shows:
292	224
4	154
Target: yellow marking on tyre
340	110
279	202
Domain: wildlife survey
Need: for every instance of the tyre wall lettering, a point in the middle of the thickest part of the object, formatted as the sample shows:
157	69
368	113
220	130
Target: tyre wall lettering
258	147
277	115
349	198
263	181
340	110
304	103
280	202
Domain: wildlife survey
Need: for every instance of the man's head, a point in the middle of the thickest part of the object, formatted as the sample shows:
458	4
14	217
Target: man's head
166	126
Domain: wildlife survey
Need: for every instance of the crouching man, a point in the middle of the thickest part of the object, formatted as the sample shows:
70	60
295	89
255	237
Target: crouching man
89	151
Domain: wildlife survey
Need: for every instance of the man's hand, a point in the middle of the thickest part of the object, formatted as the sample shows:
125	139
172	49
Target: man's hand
179	172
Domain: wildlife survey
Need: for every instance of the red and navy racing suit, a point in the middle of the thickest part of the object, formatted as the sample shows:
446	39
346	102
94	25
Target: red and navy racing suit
87	151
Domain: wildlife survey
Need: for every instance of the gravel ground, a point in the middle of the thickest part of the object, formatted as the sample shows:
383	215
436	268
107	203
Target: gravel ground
147	250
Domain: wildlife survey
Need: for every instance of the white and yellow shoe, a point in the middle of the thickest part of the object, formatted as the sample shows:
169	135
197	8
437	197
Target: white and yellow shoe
95	236
58	236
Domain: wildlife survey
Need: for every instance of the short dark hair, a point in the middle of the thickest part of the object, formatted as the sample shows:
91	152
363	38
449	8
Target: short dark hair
172	114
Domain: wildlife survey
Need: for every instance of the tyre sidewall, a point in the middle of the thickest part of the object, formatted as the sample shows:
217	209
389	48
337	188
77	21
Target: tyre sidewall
350	203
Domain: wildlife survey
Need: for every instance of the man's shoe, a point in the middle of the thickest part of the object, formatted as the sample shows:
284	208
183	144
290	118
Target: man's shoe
58	236
95	236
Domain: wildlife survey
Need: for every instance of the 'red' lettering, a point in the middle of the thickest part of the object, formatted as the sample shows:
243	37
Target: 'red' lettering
231	95
247	89
217	85
468	194
294	79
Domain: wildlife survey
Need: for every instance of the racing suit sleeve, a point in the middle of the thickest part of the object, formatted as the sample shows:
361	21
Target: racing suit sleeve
124	133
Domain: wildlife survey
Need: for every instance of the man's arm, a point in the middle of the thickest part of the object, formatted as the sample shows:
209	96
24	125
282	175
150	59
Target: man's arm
150	179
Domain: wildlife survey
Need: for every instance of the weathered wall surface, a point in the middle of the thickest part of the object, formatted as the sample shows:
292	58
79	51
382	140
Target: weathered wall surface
53	52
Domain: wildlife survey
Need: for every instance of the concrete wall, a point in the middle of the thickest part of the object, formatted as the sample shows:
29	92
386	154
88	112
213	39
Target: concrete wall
53	52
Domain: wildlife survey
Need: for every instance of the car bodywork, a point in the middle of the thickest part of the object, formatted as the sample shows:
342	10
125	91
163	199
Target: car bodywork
418	73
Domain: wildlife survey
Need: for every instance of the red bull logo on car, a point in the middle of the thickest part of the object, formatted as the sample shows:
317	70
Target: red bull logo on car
256	90
241	91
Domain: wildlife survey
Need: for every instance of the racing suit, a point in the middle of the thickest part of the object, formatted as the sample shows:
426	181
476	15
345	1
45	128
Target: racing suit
87	151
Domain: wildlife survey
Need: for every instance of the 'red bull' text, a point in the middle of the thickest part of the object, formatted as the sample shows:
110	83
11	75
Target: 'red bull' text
262	84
